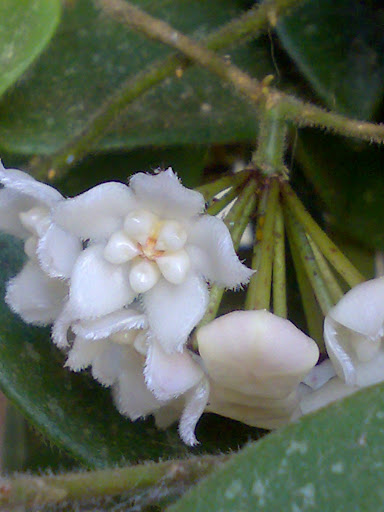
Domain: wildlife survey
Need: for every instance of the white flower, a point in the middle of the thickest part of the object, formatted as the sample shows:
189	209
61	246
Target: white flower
144	378
353	333
255	361
25	208
148	239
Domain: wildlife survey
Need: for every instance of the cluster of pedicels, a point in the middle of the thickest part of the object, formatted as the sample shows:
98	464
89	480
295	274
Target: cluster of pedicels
122	272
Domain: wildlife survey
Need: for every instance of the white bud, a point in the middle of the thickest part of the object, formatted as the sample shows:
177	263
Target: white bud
143	276
30	247
36	220
120	248
172	236
174	266
140	224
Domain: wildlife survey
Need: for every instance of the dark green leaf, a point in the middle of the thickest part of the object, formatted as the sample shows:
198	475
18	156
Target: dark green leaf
329	461
72	409
338	46
91	56
26	26
348	176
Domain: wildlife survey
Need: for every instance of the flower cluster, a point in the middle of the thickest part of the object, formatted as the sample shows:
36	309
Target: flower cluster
122	273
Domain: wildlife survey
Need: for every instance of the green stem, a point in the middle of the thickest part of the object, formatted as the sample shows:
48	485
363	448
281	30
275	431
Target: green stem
250	24
313	314
279	271
37	491
236	221
219	204
333	254
259	289
330	280
300	244
271	142
211	189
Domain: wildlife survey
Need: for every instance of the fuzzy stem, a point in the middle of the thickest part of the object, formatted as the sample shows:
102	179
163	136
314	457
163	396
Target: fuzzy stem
333	254
299	243
271	141
236	221
259	289
330	280
239	30
217	205
279	272
312	311
37	491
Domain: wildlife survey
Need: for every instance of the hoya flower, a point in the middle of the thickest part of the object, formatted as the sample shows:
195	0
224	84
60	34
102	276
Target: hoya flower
144	378
149	240
353	333
255	361
25	212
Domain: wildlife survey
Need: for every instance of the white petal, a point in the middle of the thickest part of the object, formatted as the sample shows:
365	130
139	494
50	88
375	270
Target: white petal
170	375
107	325
256	353
57	252
61	326
83	352
34	296
211	250
36	220
98	287
319	375
174	266
23	183
174	310
131	395
143	275
333	390
196	402
11	204
96	213
164	195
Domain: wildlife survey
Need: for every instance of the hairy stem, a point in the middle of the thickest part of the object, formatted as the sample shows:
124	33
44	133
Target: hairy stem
250	24
28	490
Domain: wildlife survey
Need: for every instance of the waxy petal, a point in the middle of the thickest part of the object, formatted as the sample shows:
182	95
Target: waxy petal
256	353
97	286
131	395
97	213
37	298
211	250
174	310
164	195
170	375
107	325
57	252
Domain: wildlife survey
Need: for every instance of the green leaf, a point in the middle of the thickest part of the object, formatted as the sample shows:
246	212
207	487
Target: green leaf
26	27
328	461
348	176
74	411
338	46
90	56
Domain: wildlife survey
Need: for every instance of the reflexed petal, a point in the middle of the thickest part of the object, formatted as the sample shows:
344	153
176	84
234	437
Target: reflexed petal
170	375
196	401
37	298
83	352
11	204
174	310
57	252
333	390
131	395
96	213
164	195
107	325
211	250
61	326
256	353
97	286
23	183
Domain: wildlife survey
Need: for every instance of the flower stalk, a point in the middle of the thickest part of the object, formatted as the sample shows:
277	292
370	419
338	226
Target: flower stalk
279	270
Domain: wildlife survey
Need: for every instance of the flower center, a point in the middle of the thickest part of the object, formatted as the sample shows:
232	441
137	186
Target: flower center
153	246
